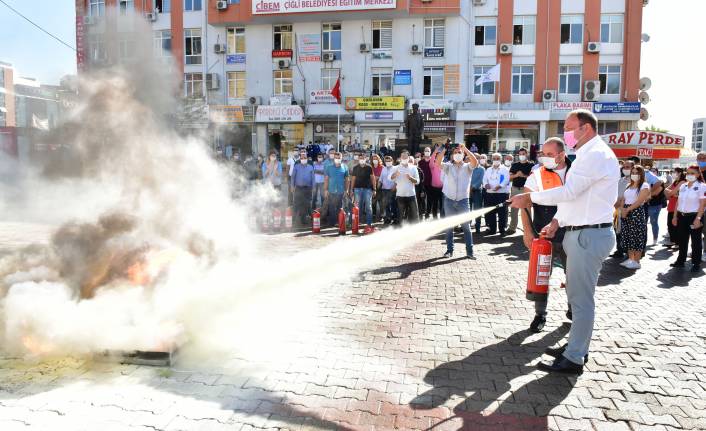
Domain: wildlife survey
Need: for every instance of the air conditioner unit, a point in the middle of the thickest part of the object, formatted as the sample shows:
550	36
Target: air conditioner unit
426	1
591	91
645	2
219	48
415	49
328	56
549	96
255	100
151	16
478	2
222	5
364	47
212	81
88	20
593	47
505	48
283	64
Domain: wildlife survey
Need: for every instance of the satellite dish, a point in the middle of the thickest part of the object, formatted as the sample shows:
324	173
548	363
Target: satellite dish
644	114
645	37
644	98
645	84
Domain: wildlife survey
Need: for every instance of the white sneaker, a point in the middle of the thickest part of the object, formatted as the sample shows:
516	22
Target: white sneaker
703	258
632	265
625	262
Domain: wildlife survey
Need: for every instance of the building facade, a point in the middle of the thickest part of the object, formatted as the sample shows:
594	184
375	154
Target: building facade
265	68
697	135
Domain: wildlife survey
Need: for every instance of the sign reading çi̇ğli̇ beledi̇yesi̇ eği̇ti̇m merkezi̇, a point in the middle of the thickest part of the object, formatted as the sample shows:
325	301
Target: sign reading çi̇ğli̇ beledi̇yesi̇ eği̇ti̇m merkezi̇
262	7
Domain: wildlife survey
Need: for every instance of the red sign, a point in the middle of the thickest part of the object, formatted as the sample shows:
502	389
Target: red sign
657	153
80	61
281	53
644	138
645	152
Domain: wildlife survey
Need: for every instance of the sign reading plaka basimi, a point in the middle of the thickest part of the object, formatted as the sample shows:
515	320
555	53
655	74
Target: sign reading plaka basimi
263	7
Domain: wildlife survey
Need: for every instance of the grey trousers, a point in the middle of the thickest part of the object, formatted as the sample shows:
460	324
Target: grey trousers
585	252
514	191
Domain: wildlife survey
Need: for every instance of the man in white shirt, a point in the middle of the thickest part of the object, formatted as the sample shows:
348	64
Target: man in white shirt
406	176
496	183
585	205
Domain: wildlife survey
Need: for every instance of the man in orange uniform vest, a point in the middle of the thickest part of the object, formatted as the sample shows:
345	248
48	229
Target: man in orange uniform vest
553	167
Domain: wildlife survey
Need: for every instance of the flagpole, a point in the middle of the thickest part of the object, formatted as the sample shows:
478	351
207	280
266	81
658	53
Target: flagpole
338	128
497	121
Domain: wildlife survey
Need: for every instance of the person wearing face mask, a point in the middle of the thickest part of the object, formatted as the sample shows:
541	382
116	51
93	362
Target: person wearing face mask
435	205
457	184
405	175
701	162
518	175
689	218
633	231
508	160
419	187
272	171
476	196
336	183
424	166
363	187
585	206
623	183
496	182
551	174
378	165
388	188
657	199
302	184
317	198
672	192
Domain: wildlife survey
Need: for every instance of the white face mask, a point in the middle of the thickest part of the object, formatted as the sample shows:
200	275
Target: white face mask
304	161
458	157
523	158
548	162
404	161
483	162
427	153
375	162
319	160
330	156
626	172
273	158
337	161
691	178
496	163
635	177
388	164
361	162
508	163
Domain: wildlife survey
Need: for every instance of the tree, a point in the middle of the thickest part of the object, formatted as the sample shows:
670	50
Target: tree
653	128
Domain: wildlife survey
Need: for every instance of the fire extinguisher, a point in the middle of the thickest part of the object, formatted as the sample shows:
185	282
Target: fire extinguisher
316	221
277	219
540	268
341	222
265	221
288	218
355	219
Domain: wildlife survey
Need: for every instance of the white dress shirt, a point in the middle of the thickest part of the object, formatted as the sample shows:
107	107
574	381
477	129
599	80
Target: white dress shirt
499	176
691	197
457	180
405	188
591	187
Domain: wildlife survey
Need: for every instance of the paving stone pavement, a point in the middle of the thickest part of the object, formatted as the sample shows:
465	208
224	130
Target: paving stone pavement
417	343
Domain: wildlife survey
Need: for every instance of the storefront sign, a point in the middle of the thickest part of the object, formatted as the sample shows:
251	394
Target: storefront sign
80	46
322	97
643	138
264	7
281	99
309	47
436	114
279	114
452	79
492	115
225	114
425	104
570	106
378	116
645	152
617	108
281	53
235	59
402	77
375	103
434	52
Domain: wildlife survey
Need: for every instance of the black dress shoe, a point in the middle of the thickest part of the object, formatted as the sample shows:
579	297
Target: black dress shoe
695	268
617	255
561	365
677	264
569	314
538	323
557	352
489	232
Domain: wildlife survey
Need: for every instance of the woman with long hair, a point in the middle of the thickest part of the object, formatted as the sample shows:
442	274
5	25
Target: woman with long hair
672	192
376	163
689	218
633	234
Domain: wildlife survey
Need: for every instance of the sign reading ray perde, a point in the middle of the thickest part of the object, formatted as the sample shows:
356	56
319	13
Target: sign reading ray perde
385	103
262	7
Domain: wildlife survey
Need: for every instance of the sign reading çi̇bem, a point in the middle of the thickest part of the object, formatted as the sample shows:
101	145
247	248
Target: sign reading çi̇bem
263	7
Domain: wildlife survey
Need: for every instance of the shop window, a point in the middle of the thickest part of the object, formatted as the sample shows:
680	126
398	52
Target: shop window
162	46
571	29
192	45
163	6
193	85
192	5
237	85
96	8
610	79
283	81
434	33
522	79
485	88
382	82
126	6
96	48
329	78
434	82
612	28
331	39
282	37
607	127
486	30
569	79
235	40
382	39
523	30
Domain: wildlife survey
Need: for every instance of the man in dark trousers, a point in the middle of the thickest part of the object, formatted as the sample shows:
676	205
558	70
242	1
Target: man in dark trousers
302	184
414	125
519	171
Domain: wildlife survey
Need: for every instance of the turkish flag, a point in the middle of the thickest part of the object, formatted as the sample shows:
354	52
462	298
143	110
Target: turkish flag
336	91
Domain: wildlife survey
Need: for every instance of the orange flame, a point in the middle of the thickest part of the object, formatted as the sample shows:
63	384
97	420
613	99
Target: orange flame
35	346
145	270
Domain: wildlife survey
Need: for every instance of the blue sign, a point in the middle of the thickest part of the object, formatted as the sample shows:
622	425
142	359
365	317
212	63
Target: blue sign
433	52
378	115
616	108
235	59
403	77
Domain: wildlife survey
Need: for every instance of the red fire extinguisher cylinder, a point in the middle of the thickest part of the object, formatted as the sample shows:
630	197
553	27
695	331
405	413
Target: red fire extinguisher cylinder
540	269
355	220
316	222
341	222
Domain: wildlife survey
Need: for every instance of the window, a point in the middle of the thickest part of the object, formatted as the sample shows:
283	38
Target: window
163	6
96	7
485	31
569	79
192	45
522	79
611	28
433	82
282	37
434	30
126	49
235	38
96	48
382	39
193	85
192	5
606	127
162	43
523	30
331	39
2	78
329	78
571	29
610	79
283	81
126	6
485	88
382	82
236	85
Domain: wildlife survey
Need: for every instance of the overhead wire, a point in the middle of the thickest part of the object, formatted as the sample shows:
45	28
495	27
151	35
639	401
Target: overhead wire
37	25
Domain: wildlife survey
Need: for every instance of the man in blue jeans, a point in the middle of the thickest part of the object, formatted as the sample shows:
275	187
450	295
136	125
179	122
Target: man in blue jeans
363	184
457	183
477	190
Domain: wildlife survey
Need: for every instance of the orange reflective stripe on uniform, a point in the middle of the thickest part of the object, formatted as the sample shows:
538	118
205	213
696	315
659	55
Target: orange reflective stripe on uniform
548	179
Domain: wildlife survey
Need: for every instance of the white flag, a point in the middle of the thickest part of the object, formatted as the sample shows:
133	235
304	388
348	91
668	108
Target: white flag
40	124
493	75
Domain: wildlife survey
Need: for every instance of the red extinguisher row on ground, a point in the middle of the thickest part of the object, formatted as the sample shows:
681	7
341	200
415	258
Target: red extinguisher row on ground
273	221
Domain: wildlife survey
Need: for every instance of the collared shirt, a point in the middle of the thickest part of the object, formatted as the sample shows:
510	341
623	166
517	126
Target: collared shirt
691	197
303	175
499	176
477	177
457	180
336	178
405	188
387	183
590	192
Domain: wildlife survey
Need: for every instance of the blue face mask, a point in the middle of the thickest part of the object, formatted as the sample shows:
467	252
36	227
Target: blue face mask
702	165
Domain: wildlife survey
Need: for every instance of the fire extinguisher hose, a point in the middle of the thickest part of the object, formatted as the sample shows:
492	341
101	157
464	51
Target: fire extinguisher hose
529	216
